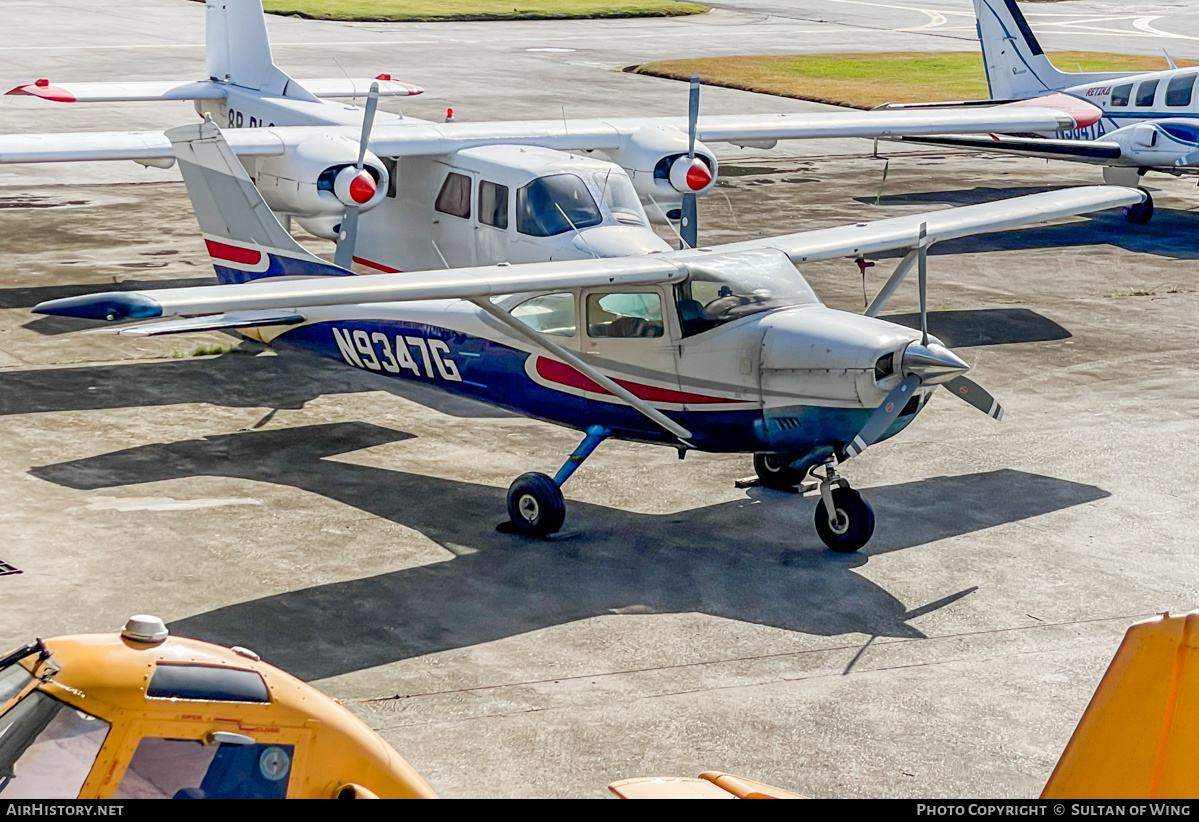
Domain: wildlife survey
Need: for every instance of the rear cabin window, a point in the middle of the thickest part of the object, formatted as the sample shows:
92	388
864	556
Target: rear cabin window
493	204
1120	94
552	314
454	197
1178	92
1146	91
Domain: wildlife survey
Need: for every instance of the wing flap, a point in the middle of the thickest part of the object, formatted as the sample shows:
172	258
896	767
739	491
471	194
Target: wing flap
210	322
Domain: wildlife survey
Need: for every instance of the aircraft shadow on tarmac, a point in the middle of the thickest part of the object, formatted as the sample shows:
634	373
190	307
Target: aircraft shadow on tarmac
755	560
1171	233
287	381
987	326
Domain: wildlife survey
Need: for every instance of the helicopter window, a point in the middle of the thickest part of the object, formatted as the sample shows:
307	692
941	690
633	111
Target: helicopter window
47	748
454	198
207	682
189	769
493	204
1178	92
392	164
1146	91
621	198
554	205
13	680
624	315
723	288
1120	94
552	314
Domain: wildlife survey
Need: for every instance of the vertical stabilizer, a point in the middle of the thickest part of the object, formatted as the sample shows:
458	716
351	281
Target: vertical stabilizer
1016	66
238	52
244	238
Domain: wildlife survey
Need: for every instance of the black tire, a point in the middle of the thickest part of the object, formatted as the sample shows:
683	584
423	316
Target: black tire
774	471
856	516
1140	213
535	505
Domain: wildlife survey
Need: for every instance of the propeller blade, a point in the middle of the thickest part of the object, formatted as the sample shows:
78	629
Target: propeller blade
347	235
688	225
689	221
973	393
883	416
922	261
692	116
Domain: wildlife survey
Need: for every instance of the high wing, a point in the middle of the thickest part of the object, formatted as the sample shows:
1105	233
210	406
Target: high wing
1099	152
416	138
155	90
480	283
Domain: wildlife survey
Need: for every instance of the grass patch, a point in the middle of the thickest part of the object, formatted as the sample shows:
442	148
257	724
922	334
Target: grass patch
868	80
435	10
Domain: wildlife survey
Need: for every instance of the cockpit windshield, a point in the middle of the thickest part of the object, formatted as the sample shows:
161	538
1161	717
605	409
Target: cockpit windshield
725	287
47	748
620	197
554	205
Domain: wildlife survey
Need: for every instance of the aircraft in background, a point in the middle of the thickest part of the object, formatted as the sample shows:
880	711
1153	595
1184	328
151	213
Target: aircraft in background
435	195
722	349
1149	122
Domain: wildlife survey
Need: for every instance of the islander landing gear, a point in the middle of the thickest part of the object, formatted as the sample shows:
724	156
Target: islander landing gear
1140	213
844	521
535	503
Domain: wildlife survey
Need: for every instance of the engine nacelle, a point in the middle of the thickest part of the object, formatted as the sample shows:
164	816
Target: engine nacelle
1165	144
655	158
319	179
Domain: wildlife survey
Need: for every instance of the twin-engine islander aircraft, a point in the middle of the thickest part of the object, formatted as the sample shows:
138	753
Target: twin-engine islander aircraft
1150	120
722	349
433	195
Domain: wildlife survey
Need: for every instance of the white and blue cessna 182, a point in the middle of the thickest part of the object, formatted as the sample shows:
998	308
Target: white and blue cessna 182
1149	120
723	349
412	180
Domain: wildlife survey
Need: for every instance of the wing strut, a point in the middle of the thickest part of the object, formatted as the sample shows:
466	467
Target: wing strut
885	293
583	368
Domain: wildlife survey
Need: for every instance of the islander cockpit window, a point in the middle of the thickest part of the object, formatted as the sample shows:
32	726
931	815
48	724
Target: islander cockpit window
554	205
727	287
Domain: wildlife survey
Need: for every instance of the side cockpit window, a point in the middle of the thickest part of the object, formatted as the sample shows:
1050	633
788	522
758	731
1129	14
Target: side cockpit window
553	205
1180	90
47	748
624	315
1121	95
493	204
189	769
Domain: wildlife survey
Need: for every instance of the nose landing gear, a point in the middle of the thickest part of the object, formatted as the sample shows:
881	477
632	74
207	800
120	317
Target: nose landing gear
844	521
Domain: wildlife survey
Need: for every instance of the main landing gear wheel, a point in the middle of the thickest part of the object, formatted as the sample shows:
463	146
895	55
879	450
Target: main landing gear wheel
853	524
535	505
1140	213
775	471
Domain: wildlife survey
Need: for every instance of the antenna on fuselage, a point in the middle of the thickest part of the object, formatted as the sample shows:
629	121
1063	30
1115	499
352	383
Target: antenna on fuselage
1169	59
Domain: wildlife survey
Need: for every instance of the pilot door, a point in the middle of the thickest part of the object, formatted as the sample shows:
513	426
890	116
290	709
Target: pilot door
454	216
630	334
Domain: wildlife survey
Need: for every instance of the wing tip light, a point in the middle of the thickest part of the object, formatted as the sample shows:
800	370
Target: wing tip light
42	88
110	306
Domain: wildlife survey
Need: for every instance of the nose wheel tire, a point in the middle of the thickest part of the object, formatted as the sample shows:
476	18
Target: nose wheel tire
853	524
775	471
535	505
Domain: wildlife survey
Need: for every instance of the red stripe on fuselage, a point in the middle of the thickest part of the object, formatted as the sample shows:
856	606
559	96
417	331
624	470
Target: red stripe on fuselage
563	374
233	254
376	266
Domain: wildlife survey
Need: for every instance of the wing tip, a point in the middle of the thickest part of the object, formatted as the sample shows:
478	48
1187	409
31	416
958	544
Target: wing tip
111	306
43	89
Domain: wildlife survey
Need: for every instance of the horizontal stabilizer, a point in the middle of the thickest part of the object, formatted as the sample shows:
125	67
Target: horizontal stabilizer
211	322
154	90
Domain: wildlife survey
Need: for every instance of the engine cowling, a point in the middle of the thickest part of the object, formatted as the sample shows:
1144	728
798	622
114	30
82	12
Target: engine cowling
316	181
1157	145
656	160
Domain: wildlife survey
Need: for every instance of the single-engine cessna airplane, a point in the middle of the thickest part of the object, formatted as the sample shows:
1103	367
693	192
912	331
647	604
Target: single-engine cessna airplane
1150	120
722	349
433	195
